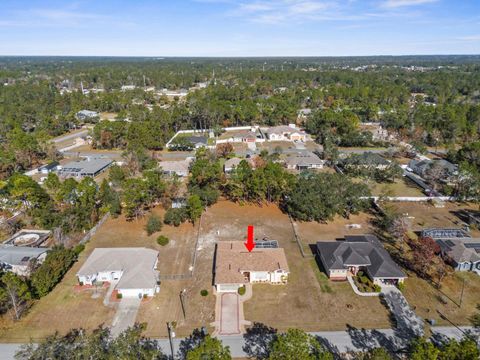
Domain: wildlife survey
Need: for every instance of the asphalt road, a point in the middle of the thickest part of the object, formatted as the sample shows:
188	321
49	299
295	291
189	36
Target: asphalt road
70	136
341	341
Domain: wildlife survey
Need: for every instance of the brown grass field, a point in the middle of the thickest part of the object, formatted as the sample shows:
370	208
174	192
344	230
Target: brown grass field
309	301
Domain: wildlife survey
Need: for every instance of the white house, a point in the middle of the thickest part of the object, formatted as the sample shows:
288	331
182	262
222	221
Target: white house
132	269
235	266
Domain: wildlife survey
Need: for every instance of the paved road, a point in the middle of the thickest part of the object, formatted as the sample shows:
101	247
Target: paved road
341	341
70	136
125	315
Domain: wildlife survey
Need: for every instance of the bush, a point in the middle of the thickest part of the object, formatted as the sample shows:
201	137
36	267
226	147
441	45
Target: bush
78	249
401	286
119	296
204	292
242	290
175	216
162	240
154	224
377	288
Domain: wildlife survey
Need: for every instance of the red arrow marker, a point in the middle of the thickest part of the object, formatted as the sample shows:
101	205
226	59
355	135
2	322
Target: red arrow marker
250	244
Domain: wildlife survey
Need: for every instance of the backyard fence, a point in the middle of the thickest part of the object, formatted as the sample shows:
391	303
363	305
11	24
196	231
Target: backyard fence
94	229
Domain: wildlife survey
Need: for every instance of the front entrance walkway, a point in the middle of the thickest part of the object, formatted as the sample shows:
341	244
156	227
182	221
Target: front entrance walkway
125	315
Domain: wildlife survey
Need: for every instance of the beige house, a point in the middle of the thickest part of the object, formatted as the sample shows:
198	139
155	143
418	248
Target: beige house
235	266
286	133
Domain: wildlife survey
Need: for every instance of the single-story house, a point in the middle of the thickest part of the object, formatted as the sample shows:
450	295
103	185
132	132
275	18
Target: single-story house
359	252
87	115
18	259
48	168
366	159
462	253
197	141
81	168
303	160
235	266
132	269
422	167
286	133
231	164
178	167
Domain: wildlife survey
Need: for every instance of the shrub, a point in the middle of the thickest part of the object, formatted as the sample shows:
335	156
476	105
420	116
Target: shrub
119	296
175	216
162	240
80	283
377	288
154	224
145	296
401	286
204	292
242	290
78	249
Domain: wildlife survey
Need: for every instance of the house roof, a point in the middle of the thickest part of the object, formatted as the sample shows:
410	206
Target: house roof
87	166
461	250
424	165
283	129
232	258
197	139
303	158
359	250
88	113
176	166
137	265
366	158
233	162
19	255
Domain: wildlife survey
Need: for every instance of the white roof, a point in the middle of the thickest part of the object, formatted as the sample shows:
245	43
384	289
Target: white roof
137	265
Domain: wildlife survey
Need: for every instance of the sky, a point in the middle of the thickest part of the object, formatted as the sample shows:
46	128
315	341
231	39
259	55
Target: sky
239	27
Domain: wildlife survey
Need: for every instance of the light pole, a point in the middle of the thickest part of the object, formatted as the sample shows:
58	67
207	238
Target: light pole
182	301
171	334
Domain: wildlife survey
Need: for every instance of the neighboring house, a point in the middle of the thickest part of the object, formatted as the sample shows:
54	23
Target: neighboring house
422	168
235	266
462	253
286	133
87	115
231	164
18	259
303	114
359	252
179	167
127	87
132	269
303	160
366	159
48	168
457	247
197	141
28	237
81	168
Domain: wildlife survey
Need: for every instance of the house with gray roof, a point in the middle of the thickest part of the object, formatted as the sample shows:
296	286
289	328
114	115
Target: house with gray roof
303	160
131	270
87	115
197	141
18	259
422	167
176	167
82	168
355	253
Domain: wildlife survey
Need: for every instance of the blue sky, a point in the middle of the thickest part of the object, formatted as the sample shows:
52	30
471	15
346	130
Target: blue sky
239	27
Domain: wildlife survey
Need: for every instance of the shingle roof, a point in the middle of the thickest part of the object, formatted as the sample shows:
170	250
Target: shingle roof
137	265
461	250
233	162
303	158
19	255
283	129
88	166
232	258
176	166
359	250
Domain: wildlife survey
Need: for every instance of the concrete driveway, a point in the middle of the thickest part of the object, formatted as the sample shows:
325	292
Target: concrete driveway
125	315
229	314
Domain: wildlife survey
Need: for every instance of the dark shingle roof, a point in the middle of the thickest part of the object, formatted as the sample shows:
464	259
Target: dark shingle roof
359	250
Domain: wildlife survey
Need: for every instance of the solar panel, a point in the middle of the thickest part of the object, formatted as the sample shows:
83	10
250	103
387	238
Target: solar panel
267	244
472	246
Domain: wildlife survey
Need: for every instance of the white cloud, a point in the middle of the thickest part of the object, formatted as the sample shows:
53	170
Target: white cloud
470	38
403	3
